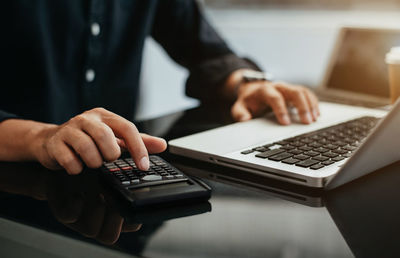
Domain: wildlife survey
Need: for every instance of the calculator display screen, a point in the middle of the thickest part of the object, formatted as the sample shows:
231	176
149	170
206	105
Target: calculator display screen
159	187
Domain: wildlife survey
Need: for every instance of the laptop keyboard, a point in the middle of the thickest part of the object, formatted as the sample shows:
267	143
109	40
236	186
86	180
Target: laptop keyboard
320	148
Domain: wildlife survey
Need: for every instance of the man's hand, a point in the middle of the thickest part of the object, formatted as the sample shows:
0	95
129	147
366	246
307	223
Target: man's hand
254	97
92	137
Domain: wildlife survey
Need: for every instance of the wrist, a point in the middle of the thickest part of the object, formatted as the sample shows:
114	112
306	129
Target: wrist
36	140
243	77
232	83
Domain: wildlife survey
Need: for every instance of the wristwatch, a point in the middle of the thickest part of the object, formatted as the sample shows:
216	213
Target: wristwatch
252	76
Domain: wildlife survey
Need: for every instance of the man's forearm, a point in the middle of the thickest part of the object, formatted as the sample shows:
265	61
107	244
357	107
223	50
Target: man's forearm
20	139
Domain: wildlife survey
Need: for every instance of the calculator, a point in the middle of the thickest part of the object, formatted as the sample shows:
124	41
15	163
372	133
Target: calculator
161	185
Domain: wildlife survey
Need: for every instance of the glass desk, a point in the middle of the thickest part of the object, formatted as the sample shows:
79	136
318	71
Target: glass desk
50	214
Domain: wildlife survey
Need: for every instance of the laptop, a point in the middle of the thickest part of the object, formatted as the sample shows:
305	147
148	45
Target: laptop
356	73
345	143
307	196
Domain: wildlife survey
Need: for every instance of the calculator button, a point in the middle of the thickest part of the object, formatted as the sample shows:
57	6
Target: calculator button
126	182
126	168
151	178
113	169
109	167
135	181
179	176
169	177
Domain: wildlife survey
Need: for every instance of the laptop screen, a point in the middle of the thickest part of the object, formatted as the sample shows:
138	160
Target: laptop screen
359	64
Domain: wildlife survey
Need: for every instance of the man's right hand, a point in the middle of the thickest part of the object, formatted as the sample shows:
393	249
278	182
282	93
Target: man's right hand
92	137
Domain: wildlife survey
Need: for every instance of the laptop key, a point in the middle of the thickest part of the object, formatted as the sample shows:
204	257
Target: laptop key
340	143
296	151
331	154
288	147
305	148
347	155
311	153
306	140
260	149
291	161
339	158
317	166
327	162
349	148
269	153
307	163
282	142
301	157
321	150
315	145
320	158
340	151
247	152
281	156
331	146
297	144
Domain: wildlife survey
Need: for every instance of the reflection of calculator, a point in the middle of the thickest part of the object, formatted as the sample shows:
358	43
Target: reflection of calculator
162	184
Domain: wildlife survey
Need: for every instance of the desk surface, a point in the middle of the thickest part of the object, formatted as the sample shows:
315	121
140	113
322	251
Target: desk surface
46	213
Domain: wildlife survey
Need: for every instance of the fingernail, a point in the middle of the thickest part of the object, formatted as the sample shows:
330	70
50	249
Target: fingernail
285	119
308	117
144	163
315	113
244	118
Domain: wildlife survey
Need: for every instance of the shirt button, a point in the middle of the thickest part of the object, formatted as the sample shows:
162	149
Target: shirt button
90	75
95	28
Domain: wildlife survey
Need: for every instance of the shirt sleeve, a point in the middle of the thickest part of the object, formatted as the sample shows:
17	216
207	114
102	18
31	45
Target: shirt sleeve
5	115
182	30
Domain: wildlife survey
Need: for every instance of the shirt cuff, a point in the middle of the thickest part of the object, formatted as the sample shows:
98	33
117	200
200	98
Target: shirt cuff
205	79
5	115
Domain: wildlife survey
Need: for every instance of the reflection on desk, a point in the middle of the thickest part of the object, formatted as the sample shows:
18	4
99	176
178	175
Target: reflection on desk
38	197
364	211
47	213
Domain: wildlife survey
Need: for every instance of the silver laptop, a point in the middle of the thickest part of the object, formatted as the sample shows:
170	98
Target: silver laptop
356	73
345	143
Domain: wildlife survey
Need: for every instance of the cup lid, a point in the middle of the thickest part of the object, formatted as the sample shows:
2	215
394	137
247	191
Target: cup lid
393	57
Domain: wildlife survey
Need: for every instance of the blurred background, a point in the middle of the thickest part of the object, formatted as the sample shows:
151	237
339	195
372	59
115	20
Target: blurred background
292	39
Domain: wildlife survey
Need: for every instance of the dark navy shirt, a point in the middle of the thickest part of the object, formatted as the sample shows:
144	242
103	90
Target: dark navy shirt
62	57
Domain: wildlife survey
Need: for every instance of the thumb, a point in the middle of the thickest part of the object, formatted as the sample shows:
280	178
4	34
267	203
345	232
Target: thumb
240	112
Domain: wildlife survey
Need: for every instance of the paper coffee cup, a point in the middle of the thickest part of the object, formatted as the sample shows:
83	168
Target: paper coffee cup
393	61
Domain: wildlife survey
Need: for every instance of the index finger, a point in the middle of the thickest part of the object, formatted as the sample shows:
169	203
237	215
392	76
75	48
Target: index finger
275	99
127	131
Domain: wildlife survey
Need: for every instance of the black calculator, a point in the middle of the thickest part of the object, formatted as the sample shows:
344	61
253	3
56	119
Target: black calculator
161	185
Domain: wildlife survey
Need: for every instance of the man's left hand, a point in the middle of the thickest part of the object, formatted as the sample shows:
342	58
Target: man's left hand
253	98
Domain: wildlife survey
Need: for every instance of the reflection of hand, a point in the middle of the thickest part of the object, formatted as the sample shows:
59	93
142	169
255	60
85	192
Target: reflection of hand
80	202
254	97
83	205
28	179
90	137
